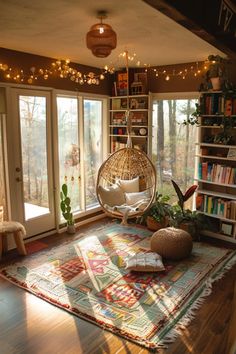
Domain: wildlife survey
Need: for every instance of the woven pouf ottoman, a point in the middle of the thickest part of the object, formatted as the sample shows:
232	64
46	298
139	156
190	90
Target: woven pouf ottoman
172	243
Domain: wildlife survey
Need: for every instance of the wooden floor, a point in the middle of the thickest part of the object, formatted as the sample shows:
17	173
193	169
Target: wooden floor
29	325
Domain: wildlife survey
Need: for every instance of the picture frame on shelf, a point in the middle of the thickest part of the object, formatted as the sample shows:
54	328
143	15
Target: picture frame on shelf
232	153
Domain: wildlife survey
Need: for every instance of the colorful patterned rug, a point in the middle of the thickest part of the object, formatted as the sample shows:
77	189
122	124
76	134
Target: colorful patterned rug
87	277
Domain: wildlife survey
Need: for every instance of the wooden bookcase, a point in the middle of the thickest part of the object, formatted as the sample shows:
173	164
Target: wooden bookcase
216	164
139	106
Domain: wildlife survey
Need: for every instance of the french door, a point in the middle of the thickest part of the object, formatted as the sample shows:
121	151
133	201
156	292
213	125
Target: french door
30	163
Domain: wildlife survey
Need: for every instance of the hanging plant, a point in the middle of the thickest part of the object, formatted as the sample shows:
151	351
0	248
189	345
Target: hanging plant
193	118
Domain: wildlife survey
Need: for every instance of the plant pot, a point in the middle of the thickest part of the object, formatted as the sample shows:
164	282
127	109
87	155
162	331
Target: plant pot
190	227
154	225
71	229
216	85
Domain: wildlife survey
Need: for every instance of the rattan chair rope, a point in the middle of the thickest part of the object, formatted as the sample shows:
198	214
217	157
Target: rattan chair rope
127	164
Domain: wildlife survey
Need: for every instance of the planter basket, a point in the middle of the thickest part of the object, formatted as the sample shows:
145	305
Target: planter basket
154	225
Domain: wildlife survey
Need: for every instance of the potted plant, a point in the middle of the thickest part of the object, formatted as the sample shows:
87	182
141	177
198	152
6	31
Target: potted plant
215	74
185	219
66	209
157	216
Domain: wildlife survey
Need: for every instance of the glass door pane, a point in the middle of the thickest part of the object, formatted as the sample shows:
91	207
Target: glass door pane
30	160
92	147
69	151
32	111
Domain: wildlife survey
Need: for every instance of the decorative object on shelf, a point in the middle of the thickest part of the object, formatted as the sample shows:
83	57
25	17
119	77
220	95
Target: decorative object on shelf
157	216
60	69
232	153
142	131
66	209
101	39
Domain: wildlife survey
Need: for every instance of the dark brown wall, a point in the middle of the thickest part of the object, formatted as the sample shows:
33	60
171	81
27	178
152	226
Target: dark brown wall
25	61
191	83
176	83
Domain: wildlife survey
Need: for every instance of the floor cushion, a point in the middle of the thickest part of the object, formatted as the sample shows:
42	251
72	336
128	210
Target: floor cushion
172	243
145	262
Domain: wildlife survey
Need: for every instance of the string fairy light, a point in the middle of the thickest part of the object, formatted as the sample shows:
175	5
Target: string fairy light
193	70
59	69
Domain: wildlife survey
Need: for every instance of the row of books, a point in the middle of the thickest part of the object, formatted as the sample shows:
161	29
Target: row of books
217	104
217	173
217	206
137	118
116	145
134	103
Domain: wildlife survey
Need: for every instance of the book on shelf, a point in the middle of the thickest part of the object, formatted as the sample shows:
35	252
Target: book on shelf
122	84
217	206
216	173
215	103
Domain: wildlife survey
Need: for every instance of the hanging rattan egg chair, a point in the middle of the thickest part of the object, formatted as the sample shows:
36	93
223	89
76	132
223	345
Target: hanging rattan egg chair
126	169
126	182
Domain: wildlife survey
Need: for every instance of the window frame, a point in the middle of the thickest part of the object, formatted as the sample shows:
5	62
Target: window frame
104	131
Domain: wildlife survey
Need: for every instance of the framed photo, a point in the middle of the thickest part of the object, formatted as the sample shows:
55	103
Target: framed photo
232	153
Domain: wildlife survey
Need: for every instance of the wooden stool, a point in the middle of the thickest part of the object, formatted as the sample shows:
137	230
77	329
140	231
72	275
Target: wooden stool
18	231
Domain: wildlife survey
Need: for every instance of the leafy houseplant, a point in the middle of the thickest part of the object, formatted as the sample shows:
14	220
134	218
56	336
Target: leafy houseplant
157	216
185	219
215	74
193	119
66	209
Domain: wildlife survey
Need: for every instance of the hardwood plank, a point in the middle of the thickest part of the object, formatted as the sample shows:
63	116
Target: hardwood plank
31	325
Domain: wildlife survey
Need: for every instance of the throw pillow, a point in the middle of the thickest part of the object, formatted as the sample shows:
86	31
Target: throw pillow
129	185
145	262
111	196
132	198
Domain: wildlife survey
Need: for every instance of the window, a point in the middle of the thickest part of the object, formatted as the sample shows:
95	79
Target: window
92	147
80	148
173	144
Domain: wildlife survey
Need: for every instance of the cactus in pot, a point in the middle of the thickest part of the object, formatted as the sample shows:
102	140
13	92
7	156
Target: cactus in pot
66	209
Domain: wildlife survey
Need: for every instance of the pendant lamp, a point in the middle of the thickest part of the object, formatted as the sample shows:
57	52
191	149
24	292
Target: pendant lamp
101	39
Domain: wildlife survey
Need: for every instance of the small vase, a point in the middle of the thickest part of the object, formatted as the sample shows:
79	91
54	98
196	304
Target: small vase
71	229
216	85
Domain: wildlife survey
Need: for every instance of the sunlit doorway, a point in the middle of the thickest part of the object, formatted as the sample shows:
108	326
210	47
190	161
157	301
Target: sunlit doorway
30	163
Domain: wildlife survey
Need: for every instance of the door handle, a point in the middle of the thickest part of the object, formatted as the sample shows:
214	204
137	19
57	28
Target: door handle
18	169
18	179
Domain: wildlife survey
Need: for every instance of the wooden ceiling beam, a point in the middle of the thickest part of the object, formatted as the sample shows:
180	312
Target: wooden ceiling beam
213	20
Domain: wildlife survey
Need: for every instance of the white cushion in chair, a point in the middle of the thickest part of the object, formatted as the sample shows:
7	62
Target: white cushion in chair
129	185
132	198
111	196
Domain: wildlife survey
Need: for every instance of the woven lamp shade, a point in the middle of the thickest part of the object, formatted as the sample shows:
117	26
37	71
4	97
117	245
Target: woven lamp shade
126	164
100	42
